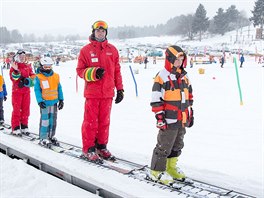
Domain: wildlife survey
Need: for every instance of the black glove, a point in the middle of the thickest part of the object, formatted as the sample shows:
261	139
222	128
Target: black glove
61	104
191	118
27	82
99	73
42	105
5	98
21	82
161	122
119	96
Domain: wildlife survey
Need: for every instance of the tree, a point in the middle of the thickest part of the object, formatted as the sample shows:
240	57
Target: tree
185	25
200	21
220	23
4	35
258	15
232	15
16	37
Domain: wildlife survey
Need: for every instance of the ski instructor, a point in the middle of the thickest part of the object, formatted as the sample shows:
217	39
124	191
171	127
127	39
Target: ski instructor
98	65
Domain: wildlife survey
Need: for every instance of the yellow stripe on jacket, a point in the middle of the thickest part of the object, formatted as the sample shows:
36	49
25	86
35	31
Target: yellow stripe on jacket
1	83
49	86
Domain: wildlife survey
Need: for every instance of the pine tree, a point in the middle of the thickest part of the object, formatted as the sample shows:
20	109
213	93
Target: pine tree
220	22
258	15
200	21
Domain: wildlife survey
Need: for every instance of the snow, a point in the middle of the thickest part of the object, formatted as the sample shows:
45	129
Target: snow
224	147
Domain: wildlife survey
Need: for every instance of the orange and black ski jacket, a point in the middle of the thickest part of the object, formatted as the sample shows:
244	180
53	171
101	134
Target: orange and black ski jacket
172	94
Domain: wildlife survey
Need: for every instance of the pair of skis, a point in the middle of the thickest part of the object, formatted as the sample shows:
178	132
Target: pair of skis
188	187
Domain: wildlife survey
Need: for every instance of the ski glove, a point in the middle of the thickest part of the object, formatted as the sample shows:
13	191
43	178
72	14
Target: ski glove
21	82
119	96
191	118
161	122
61	104
5	98
42	105
99	73
28	82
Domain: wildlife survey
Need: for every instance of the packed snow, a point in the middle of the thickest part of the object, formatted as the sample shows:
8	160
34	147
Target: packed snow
224	147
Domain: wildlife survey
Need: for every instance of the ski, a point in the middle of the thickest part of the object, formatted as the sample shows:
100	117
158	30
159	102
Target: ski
5	125
53	148
25	137
203	186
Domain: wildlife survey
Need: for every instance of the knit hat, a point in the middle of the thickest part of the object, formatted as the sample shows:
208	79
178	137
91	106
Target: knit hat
173	52
99	25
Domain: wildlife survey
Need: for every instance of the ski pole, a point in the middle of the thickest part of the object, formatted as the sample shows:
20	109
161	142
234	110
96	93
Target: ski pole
134	80
238	83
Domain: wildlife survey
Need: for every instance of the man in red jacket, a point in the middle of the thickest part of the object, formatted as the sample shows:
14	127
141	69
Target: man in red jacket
22	76
98	65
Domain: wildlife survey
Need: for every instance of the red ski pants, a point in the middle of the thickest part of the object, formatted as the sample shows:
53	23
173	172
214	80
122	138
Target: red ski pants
21	108
96	121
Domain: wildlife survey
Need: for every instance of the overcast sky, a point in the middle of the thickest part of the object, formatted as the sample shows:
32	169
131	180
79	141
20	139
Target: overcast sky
68	16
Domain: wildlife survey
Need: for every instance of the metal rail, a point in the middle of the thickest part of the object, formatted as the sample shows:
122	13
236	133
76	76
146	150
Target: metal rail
102	192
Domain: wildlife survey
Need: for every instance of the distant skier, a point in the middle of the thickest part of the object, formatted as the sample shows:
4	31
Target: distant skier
49	96
36	64
242	60
171	102
22	76
3	97
222	61
146	62
154	60
191	62
98	65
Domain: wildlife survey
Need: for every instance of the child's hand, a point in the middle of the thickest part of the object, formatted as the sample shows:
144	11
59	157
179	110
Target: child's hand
14	65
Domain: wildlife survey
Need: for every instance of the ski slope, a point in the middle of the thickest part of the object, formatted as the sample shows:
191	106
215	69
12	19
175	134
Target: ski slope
224	147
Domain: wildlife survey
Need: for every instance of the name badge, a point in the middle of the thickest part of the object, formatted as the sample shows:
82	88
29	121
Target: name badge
94	60
45	84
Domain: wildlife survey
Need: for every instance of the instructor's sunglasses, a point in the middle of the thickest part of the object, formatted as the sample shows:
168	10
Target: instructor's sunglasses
100	24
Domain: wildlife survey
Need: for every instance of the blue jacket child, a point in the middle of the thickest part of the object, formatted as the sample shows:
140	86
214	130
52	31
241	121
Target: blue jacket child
242	60
49	96
3	94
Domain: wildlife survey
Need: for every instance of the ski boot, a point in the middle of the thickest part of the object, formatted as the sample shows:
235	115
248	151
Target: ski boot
161	176
54	141
24	129
104	153
92	156
2	122
173	170
16	131
45	143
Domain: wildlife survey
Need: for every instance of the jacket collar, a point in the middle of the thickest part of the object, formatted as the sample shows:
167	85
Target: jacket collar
98	44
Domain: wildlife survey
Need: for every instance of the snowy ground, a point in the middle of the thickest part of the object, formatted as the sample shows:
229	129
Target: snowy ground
224	147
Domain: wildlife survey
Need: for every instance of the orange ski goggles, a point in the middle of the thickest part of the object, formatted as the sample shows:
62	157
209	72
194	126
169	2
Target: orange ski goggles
100	24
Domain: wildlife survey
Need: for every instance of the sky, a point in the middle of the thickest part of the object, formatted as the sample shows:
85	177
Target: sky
68	16
224	147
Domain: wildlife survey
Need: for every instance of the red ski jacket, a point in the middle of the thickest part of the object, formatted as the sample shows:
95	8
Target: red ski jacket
104	55
25	71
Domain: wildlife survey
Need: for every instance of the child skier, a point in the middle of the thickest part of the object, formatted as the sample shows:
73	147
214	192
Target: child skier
22	78
3	94
48	93
171	102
